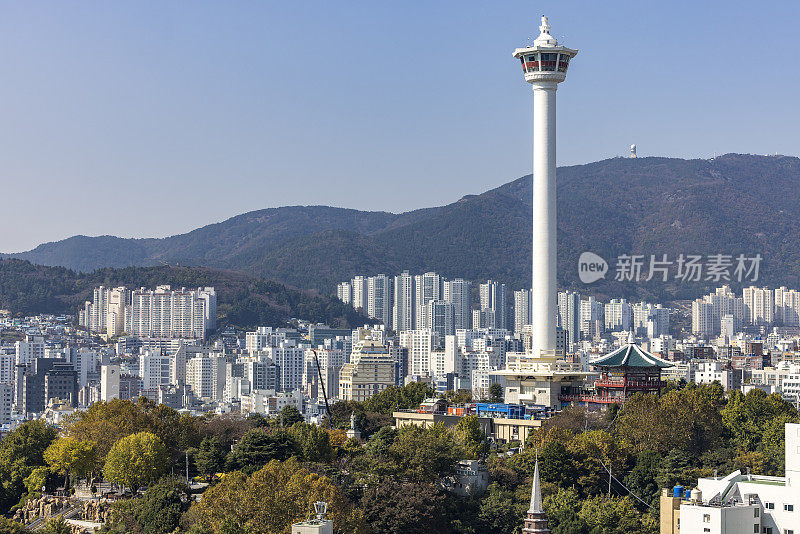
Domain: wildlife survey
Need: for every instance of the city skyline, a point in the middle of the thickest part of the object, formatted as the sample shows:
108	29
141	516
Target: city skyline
187	102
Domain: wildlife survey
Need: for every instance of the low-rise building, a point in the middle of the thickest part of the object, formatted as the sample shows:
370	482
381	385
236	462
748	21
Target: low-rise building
739	503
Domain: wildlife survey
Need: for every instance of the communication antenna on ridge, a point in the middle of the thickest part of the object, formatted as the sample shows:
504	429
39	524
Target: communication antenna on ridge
633	151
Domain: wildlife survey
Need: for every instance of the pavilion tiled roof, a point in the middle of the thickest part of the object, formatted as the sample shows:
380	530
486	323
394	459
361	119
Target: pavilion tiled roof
630	355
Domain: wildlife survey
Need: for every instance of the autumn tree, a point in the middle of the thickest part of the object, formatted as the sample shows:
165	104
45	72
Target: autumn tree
270	500
70	456
136	460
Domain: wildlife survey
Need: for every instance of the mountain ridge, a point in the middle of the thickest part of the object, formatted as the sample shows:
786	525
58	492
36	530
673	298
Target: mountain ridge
653	205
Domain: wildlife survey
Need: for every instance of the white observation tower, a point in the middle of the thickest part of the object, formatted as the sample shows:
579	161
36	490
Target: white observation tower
545	66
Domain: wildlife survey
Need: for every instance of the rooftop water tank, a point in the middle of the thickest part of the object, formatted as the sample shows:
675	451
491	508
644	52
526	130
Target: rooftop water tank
677	491
697	495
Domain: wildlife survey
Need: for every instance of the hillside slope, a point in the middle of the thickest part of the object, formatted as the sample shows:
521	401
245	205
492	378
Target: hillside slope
242	301
732	204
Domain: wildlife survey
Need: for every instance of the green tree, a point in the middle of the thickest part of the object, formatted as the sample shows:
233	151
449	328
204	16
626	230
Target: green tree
313	441
562	509
380	442
470	438
425	454
290	415
258	446
498	512
56	526
209	457
395	508
642	478
21	451
158	511
495	392
8	526
136	460
747	417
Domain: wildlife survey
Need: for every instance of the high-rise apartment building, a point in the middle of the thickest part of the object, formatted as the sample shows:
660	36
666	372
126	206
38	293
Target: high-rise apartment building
168	313
379	298
403	311
29	350
439	317
787	307
154	369
617	316
569	315
457	292
359	285
206	376
592	318
702	317
420	344
288	358
522	309
115	311
344	292
6	402
493	297
427	287
759	305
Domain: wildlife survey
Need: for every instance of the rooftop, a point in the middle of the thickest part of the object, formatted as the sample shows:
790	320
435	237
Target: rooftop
630	355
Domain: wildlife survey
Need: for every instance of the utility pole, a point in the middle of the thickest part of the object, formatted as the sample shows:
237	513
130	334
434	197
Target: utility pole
187	467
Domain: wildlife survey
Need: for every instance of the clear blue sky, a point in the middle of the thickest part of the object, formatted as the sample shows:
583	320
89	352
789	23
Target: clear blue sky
153	118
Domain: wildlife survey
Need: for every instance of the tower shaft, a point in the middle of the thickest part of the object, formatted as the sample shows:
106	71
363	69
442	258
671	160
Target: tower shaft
544	283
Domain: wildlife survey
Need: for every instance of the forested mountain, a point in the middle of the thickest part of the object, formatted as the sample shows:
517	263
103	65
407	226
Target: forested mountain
242	300
731	204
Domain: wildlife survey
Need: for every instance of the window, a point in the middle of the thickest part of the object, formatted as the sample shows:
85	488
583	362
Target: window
788	508
755	512
549	62
767	530
755	529
769	505
706	518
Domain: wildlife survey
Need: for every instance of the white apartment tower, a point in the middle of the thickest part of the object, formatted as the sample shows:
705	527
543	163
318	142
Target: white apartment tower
493	297
702	317
457	292
569	315
344	292
427	287
759	305
115	311
404	302
545	66
592	322
359	285
379	298
522	309
618	316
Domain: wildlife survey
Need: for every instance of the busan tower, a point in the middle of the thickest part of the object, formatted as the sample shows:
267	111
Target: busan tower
545	66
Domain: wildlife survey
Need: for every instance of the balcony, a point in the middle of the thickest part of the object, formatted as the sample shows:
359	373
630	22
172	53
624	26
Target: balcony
632	384
596	399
